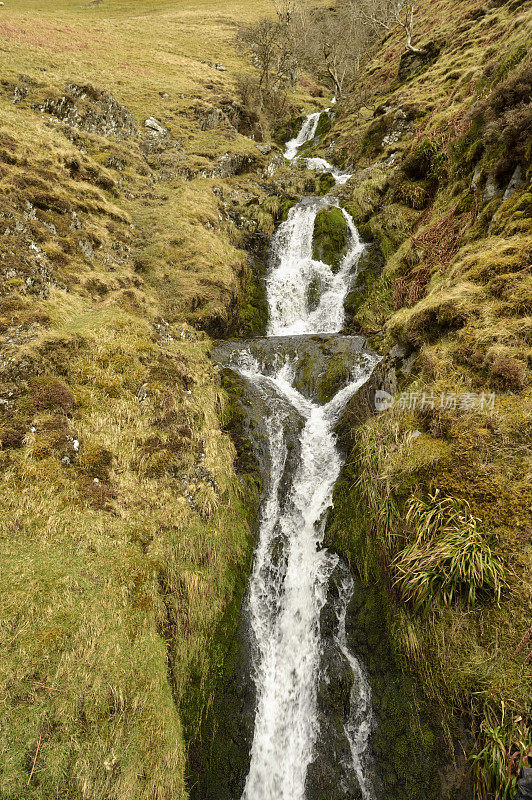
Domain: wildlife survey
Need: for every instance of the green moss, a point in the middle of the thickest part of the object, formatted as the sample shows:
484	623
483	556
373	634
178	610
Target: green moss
324	125
371	144
216	757
407	722
330	237
324	183
233	422
336	375
286	204
287	128
314	292
250	315
426	160
369	269
516	55
365	195
389	227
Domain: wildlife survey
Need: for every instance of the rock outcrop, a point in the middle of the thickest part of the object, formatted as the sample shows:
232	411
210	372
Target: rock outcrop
92	110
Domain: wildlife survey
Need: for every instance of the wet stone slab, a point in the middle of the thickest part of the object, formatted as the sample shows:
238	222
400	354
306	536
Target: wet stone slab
322	364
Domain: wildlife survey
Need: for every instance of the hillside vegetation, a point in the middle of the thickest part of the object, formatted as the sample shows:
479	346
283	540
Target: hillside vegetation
125	538
135	168
435	500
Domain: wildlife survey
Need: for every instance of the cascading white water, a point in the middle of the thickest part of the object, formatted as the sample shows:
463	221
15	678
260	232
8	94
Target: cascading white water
321	165
306	134
288	593
358	726
291	572
294	271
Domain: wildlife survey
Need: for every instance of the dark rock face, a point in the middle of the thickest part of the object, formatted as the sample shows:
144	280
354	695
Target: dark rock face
406	755
405	745
524	784
92	110
331	775
219	758
413	62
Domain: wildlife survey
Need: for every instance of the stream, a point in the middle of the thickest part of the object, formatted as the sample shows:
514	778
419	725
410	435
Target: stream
295	581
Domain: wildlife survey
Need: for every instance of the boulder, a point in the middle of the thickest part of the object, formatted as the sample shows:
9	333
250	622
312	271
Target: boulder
491	189
232	164
330	237
210	118
524	784
414	61
154	127
516	181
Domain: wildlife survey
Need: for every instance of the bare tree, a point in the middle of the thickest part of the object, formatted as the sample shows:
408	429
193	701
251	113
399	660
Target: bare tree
404	16
270	46
382	15
285	10
331	45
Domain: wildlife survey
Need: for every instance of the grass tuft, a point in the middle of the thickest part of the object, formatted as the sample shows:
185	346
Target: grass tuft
450	557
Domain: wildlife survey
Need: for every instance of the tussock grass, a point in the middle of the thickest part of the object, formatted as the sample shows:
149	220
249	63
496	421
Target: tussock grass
450	556
507	742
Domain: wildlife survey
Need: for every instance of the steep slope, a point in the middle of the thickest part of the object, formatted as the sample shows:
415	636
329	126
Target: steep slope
440	146
125	538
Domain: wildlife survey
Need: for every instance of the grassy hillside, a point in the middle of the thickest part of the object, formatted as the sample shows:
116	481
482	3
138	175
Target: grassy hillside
123	529
441	155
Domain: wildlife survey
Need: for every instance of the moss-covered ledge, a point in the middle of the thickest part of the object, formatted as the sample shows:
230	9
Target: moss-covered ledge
330	237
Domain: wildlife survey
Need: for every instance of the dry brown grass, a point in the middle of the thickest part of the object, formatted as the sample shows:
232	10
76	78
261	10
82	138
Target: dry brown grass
121	519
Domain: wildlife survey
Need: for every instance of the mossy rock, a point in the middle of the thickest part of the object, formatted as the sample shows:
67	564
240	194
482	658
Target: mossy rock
336	375
324	125
287	128
250	315
324	183
407	741
370	267
390	227
330	237
314	292
287	203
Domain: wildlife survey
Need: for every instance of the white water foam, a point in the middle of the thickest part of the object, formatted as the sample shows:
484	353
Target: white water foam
286	596
306	134
321	165
291	572
295	272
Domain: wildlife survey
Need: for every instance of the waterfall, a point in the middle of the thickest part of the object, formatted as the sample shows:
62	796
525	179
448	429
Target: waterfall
292	570
294	270
306	134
